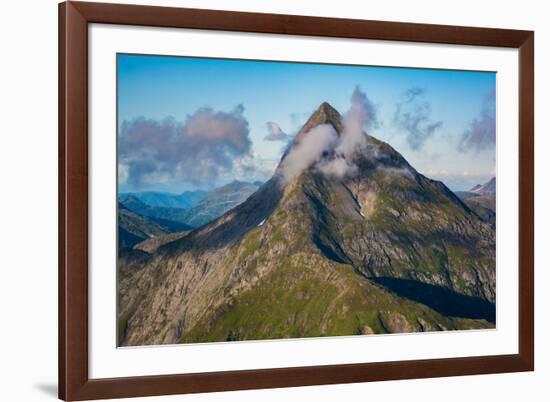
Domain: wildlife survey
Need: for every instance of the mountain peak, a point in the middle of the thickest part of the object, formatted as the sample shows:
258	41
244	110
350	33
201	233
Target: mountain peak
325	114
327	108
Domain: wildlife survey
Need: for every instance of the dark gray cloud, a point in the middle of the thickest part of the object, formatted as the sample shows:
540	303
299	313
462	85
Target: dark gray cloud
413	116
275	133
481	132
196	151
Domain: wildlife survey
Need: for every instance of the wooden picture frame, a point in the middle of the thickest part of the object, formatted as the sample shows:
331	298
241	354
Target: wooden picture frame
74	381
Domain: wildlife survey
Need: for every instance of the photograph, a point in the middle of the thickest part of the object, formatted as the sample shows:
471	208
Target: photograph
264	200
275	201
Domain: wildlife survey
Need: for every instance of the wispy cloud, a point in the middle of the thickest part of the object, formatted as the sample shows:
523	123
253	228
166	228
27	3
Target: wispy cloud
275	133
481	132
195	151
299	118
413	117
363	112
250	168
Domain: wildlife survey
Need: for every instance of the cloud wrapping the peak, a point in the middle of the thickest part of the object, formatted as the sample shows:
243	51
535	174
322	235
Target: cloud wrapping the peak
275	133
309	150
481	132
361	115
327	152
413	116
196	151
338	167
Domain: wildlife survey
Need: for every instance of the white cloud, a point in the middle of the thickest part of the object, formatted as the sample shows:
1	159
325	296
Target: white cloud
275	133
309	150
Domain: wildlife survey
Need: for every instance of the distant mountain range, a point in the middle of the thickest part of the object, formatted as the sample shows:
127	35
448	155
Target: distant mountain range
206	206
186	199
385	250
218	202
174	218
489	188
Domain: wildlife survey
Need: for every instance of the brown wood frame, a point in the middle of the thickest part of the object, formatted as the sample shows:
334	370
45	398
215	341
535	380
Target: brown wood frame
74	18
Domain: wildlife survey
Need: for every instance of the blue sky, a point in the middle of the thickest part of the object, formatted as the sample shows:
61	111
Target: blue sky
441	121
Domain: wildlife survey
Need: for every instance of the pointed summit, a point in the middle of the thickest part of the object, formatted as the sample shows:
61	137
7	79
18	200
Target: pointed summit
327	108
325	114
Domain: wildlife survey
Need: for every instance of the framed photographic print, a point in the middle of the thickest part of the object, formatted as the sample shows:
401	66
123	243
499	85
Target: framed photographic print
259	200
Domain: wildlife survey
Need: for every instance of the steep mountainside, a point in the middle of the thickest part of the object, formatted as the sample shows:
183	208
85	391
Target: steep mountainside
383	250
484	206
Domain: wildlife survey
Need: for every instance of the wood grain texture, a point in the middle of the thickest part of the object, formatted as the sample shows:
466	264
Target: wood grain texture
73	199
298	25
526	262
74	382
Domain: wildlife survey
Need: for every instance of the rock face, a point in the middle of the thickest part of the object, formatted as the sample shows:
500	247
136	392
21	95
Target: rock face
384	250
